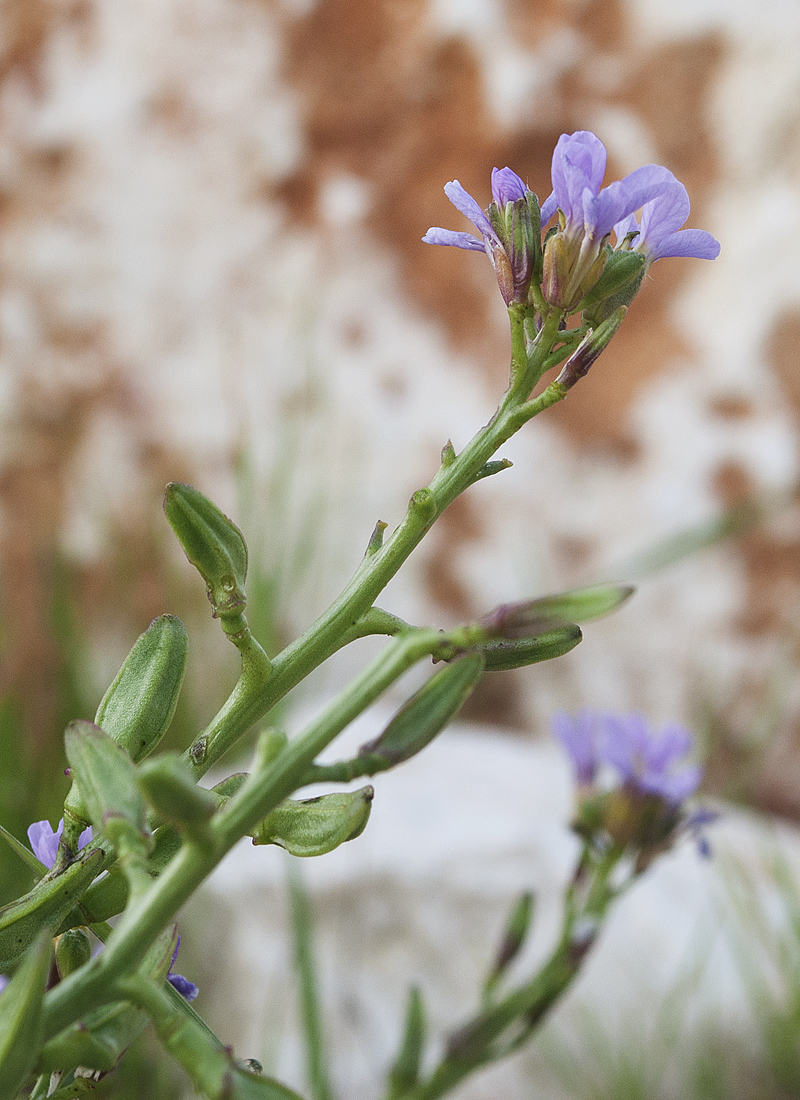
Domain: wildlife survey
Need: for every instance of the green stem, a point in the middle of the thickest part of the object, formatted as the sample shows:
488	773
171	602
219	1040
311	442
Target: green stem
146	916
318	1079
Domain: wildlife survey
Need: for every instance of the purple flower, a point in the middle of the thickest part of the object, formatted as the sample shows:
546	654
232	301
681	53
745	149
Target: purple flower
3	982
580	737
647	762
506	231
44	841
188	990
659	233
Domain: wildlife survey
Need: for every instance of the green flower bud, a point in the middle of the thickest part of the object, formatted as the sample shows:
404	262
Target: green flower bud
316	825
531	618
21	1023
213	544
617	286
590	348
73	950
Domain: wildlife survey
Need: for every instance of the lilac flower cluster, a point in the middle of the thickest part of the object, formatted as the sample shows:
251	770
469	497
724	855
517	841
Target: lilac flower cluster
576	253
44	840
646	762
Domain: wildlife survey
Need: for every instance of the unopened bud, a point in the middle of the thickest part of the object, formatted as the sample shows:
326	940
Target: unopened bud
169	786
590	348
73	950
213	544
617	286
502	656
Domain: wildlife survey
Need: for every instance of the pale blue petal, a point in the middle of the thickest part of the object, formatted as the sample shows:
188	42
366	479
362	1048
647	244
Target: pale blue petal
457	240
506	186
465	203
689	242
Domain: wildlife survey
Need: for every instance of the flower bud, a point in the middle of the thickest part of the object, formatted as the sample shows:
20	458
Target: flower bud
169	786
502	656
617	286
316	826
212	543
590	348
73	950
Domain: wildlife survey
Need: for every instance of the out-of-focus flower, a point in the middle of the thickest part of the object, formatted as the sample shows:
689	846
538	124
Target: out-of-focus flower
3	982
633	781
659	233
44	841
188	990
509	229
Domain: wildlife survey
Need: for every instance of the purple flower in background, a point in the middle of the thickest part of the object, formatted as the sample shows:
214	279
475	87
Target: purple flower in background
650	762
507	241
660	233
188	990
580	737
647	762
44	841
3	982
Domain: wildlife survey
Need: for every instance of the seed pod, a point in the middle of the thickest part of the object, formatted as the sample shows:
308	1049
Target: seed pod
213	544
138	707
21	1023
44	907
72	951
315	826
425	714
531	618
501	656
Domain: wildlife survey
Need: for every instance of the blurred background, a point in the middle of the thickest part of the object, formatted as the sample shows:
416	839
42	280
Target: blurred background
211	271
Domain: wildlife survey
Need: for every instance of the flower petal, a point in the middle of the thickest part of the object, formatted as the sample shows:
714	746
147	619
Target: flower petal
457	240
465	203
506	186
578	737
689	242
44	841
188	990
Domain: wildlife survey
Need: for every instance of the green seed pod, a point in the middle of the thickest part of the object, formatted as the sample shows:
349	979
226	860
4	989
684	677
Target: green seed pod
316	826
21	1022
531	618
213	544
404	1073
72	951
502	656
105	779
138	707
44	907
425	714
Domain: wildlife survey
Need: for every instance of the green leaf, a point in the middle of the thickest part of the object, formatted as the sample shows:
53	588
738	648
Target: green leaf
404	1073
